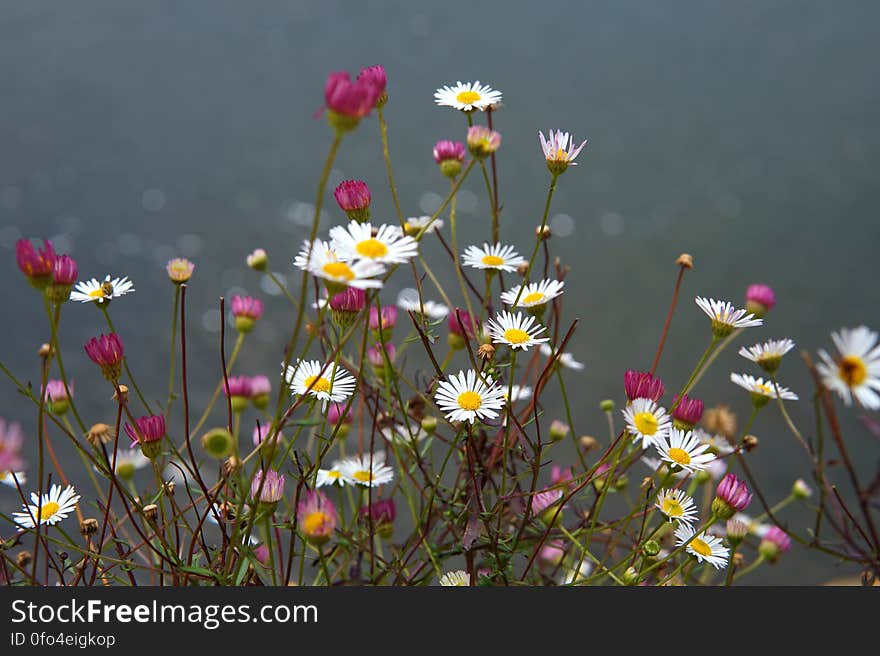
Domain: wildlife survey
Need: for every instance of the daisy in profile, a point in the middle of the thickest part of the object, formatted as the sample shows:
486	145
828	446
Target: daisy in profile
677	505
9	478
685	450
331	476
559	150
402	434
416	224
768	355
467	96
565	359
467	397
534	294
725	317
330	382
408	301
518	331
519	393
357	242
324	262
855	372
647	421
128	461
92	291
50	509
707	548
366	470
761	390
458	578
497	257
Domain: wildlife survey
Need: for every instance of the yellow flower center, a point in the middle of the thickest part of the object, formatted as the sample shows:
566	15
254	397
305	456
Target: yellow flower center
315	523
645	422
97	293
492	260
333	474
534	297
766	390
338	270
48	509
320	384
467	97
371	248
680	456
672	507
363	476
853	370
561	155
516	336
701	547
470	400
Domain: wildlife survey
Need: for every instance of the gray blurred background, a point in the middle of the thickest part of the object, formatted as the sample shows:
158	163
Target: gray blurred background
744	133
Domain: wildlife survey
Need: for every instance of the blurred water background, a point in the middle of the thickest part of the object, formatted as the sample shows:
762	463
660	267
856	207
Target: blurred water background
744	133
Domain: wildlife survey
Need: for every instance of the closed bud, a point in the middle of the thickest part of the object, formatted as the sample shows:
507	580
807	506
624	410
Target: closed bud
45	350
606	405
543	233
258	260
800	490
218	442
631	576
429	425
651	548
558	430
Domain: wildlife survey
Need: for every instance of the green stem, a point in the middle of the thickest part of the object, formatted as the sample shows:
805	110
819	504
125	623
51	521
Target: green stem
173	357
104	308
553	179
383	127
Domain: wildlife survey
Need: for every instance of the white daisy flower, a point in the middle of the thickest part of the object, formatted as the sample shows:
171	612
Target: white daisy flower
717	443
856	370
408	301
707	548
725	317
769	354
467	96
559	148
415	224
324	262
128	461
516	330
565	359
761	390
647	421
502	258
331	476
7	479
535	293
357	470
53	507
466	397
399	433
756	528
518	393
458	578
676	504
685	450
326	383
357	242
92	291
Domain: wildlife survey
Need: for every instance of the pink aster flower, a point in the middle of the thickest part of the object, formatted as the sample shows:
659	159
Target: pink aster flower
267	487
375	76
384	320
559	150
316	516
760	299
642	385
37	265
106	352
482	141
151	428
686	411
347	100
731	496
11	441
247	310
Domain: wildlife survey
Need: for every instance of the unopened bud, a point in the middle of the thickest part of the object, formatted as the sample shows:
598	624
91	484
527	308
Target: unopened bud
558	430
45	350
543	233
588	442
800	490
523	268
750	442
429	425
218	442
606	405
631	576
651	548
258	260
685	260
88	526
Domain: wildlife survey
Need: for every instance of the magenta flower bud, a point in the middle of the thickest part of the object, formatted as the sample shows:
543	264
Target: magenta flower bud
239	392
37	265
336	413
151	429
461	325
11	441
64	271
316	517
179	270
261	387
267	487
261	553
544	506
348	101
353	198
552	552
482	141
375	357
382	511
687	411
262	432
731	496
351	300
642	385
559	475
247	310
760	299
106	352
449	155
385	320
56	396
375	76
774	543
